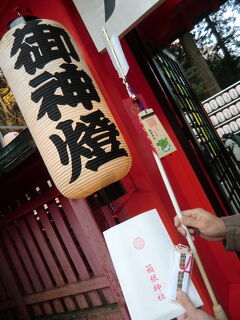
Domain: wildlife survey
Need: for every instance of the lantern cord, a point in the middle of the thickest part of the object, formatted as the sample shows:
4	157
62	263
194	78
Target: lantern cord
113	212
135	98
217	309
130	92
111	207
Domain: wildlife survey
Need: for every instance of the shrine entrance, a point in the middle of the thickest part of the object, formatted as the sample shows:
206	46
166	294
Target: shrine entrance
215	168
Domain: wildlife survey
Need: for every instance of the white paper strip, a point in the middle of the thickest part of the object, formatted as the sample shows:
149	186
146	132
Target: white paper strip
119	52
142	253
116	54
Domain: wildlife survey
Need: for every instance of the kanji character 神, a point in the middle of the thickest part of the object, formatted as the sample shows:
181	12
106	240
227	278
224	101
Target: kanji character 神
157	287
63	88
37	44
93	138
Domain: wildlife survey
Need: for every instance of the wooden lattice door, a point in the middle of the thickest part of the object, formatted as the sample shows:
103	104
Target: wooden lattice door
54	262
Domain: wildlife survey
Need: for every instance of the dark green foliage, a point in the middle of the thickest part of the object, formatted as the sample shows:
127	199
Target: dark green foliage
217	37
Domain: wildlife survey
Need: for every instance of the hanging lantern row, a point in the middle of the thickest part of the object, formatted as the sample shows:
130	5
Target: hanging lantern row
66	114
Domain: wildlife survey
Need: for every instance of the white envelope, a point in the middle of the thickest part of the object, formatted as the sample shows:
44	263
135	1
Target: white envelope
142	253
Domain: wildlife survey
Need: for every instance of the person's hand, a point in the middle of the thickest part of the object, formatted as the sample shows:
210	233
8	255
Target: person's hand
202	223
191	312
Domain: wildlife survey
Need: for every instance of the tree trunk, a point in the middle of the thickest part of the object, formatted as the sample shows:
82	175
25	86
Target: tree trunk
220	42
230	72
196	60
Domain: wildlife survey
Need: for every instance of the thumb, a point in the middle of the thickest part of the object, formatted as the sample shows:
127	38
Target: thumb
187	304
190	222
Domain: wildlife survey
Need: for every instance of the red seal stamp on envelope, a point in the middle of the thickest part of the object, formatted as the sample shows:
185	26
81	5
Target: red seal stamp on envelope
138	243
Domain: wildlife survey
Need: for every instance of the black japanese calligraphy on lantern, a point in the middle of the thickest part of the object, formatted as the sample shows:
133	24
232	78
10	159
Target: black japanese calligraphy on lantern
37	44
75	86
95	138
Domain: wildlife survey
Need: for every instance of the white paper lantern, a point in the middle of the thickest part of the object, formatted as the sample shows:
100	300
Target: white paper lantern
238	123
10	136
227	129
238	106
226	97
66	114
207	107
220	132
233	109
213	104
227	114
220	101
220	117
238	89
233	125
233	94
214	120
